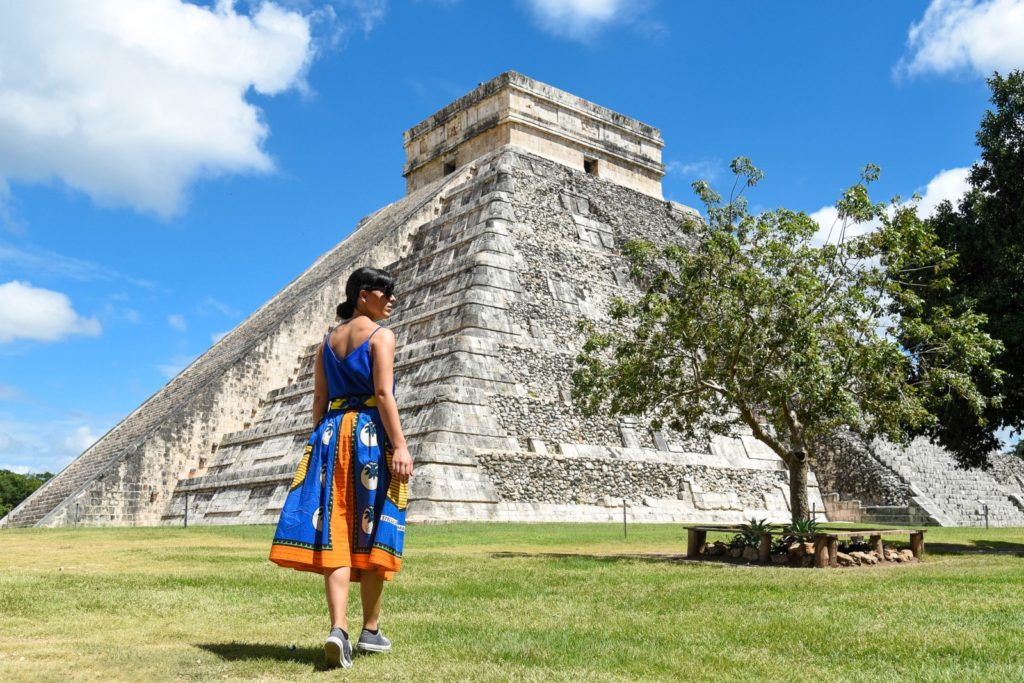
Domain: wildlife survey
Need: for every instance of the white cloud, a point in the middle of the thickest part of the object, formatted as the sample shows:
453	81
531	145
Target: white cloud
8	444
210	305
28	312
966	35
175	365
131	101
703	169
177	322
80	439
11	393
44	446
946	185
33	260
951	185
579	19
369	12
831	229
217	336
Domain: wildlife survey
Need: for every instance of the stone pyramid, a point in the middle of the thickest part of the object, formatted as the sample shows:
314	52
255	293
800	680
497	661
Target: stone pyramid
518	197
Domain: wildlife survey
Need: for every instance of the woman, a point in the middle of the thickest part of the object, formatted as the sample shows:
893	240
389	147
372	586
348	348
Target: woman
344	515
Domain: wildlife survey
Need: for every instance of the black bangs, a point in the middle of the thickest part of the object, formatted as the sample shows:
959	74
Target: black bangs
380	279
369	278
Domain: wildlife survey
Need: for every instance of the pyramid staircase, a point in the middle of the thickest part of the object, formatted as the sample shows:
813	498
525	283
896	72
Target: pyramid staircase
519	198
950	495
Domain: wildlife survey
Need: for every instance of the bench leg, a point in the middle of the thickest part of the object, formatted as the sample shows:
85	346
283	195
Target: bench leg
764	550
917	544
833	551
876	545
694	541
821	552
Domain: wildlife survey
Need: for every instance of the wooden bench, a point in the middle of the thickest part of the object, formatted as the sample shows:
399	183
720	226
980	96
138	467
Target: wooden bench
826	541
697	535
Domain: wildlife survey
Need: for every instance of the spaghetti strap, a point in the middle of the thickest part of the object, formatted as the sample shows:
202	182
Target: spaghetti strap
327	337
379	328
342	508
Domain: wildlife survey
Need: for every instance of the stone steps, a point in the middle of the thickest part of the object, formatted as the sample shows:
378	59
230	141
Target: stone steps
959	495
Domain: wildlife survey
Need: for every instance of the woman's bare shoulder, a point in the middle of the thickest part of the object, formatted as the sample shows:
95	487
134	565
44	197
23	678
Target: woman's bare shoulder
383	335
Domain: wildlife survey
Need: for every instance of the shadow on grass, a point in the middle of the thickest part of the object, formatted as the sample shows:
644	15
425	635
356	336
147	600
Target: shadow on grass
621	557
703	560
932	548
978	547
313	656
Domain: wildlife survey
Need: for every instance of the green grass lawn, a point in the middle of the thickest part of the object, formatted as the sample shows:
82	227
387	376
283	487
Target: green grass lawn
507	603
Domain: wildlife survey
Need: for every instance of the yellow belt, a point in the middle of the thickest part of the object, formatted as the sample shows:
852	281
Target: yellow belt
355	402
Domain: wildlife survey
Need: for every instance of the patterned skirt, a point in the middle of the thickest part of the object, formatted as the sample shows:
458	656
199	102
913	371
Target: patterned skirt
342	508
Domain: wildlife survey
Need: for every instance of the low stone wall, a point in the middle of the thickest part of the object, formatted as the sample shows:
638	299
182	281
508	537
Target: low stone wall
558	479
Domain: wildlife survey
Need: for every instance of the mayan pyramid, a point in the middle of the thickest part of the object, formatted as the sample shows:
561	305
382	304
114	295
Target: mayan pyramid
518	198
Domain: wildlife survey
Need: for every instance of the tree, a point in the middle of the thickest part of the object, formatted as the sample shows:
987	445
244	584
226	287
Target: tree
15	488
1018	450
747	322
986	229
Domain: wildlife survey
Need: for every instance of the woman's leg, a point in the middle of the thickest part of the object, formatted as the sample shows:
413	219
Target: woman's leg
336	587
371	587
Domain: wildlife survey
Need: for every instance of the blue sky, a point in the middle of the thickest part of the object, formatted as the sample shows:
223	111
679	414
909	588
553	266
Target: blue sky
166	167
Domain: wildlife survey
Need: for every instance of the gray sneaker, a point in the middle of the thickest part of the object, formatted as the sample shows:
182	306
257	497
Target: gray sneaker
373	642
337	649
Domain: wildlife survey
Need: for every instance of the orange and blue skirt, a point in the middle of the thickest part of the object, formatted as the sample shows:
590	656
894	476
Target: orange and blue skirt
343	509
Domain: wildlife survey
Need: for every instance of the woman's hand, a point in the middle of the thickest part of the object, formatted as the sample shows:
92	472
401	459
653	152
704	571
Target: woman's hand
401	464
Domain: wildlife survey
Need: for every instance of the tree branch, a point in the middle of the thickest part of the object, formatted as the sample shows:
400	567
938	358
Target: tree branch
751	421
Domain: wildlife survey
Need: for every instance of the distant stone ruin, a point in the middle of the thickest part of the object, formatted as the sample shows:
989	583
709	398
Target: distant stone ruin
519	196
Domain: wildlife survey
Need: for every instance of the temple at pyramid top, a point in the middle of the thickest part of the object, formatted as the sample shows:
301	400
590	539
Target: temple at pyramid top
540	119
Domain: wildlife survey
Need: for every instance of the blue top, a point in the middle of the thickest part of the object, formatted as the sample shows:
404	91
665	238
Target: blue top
352	375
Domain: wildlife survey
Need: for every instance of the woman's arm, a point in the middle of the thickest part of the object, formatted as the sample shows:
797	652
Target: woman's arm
382	346
319	387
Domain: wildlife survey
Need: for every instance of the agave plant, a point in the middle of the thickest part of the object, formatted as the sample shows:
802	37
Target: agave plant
750	533
803	526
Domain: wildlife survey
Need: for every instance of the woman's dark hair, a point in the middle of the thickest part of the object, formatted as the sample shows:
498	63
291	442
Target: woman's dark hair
364	278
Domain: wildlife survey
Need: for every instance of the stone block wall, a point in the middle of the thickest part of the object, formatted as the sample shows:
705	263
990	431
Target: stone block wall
175	432
847	468
920	483
541	120
496	264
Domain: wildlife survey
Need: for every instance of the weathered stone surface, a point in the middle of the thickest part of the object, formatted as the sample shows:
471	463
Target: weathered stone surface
860	557
915	485
497	261
716	548
544	121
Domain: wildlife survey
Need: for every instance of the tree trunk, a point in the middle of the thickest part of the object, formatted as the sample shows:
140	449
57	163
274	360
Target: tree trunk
798	485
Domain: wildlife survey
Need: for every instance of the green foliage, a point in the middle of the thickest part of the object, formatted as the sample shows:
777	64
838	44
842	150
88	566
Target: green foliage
1018	449
986	229
801	525
747	321
750	533
805	525
15	488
